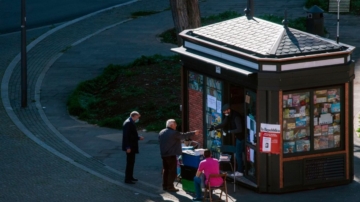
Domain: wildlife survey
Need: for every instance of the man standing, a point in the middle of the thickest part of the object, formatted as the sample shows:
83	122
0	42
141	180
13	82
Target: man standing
207	167
233	122
130	145
170	147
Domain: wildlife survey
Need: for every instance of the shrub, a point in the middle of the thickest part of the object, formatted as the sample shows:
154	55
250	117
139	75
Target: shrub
150	85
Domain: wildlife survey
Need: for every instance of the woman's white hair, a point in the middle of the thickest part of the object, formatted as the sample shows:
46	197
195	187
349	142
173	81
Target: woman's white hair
169	122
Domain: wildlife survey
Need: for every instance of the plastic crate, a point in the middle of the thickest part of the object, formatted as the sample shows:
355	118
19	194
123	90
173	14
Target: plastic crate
191	160
188	185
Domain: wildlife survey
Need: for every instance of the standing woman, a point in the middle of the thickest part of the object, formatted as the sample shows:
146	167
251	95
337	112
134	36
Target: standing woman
130	145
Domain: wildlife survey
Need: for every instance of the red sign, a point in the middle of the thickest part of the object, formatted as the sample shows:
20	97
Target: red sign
270	142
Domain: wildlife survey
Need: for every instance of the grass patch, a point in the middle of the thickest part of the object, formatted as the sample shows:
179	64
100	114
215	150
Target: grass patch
143	13
169	36
150	85
355	7
65	49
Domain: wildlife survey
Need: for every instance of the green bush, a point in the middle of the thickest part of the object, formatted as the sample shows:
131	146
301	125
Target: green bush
355	7
150	85
169	36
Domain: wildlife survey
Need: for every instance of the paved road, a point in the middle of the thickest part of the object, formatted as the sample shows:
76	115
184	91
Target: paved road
47	155
42	13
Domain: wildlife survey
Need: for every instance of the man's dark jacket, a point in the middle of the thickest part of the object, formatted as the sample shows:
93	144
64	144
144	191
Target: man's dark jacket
170	141
130	136
233	123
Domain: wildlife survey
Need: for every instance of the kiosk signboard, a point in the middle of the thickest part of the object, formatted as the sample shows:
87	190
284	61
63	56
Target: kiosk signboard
270	138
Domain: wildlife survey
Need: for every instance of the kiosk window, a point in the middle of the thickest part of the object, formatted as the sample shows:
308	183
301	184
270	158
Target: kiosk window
196	81
327	113
296	119
311	120
214	113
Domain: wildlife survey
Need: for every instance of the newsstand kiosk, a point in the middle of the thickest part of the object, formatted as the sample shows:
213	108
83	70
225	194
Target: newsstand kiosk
273	74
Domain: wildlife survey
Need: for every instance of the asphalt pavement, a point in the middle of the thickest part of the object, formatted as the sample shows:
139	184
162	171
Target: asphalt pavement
48	155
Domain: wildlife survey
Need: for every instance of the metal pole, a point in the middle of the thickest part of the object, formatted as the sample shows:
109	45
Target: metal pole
23	55
338	19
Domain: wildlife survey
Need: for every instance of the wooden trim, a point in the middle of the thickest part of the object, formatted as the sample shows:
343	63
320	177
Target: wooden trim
347	129
312	156
281	142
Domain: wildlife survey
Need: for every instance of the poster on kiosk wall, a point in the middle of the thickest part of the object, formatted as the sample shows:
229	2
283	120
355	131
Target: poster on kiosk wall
270	138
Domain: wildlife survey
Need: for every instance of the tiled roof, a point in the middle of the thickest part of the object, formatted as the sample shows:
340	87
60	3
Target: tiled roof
256	35
263	38
295	42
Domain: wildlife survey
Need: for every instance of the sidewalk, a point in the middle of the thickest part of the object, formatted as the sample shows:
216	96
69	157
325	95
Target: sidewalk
47	155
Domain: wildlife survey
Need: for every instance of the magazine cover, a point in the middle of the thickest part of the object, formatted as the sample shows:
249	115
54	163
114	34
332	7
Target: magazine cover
330	130
327	105
285	98
292	113
303	99
324	142
291	125
332	95
289	147
316	111
286	113
302	110
289	102
300	121
284	103
301	133
321	93
284	124
316	121
296	100
324	128
324	110
289	135
335	107
337	118
336	140
336	129
317	130
302	145
331	143
316	143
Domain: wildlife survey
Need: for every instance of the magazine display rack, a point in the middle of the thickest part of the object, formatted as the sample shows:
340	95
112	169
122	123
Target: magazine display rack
327	116
311	124
296	122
